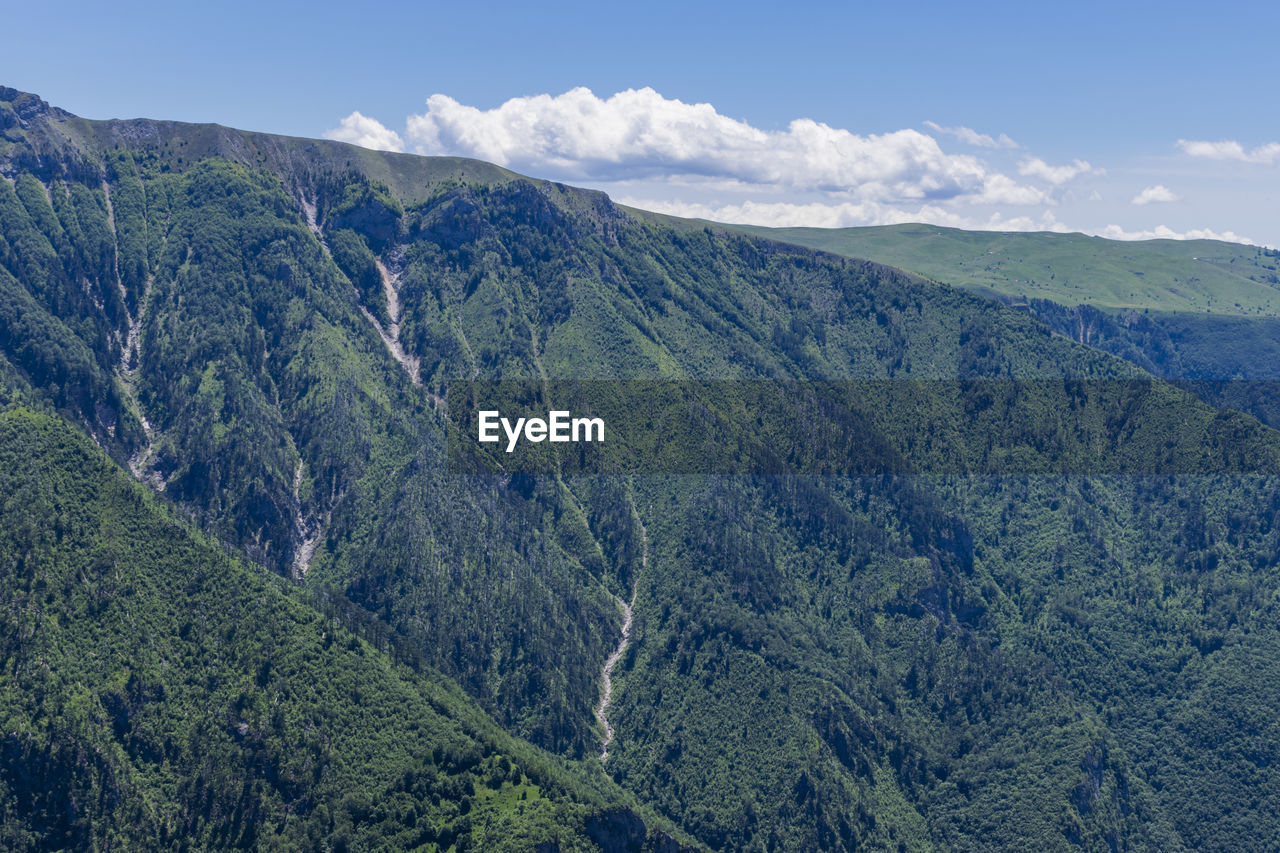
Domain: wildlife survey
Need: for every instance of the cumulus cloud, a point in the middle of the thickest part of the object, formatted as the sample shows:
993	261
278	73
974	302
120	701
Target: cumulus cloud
841	215
969	136
639	134
1001	189
688	159
1158	194
1164	232
1034	167
850	214
359	129
1229	149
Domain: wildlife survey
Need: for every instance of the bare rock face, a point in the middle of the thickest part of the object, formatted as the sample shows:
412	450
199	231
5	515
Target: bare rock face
27	119
23	106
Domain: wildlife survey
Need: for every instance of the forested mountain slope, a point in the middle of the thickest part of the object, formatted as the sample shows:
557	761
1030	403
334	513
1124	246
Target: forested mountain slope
1204	311
263	330
159	694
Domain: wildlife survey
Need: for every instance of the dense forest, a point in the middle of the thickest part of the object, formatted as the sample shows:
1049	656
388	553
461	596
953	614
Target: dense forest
267	609
161	694
1203	313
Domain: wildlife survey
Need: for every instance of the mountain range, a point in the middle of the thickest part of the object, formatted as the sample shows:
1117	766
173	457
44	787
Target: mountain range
248	603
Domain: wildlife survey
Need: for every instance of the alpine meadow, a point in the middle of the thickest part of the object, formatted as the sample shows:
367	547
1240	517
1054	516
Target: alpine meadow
251	596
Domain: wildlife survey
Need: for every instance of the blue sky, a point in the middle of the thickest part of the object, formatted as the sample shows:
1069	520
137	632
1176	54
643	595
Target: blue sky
818	113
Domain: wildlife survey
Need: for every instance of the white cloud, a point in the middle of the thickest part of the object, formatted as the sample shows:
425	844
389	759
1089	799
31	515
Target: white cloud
1034	167
849	214
1158	194
689	160
1001	189
359	129
840	215
1164	232
638	134
969	136
1228	149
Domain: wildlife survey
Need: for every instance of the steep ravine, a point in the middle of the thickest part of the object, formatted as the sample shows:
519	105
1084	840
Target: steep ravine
307	530
127	372
391	333
606	676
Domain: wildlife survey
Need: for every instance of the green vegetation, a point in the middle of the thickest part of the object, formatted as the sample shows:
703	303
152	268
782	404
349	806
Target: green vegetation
1199	276
1041	661
159	694
1187	310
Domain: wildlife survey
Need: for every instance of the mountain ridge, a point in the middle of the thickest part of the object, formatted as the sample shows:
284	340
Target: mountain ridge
813	662
1200	276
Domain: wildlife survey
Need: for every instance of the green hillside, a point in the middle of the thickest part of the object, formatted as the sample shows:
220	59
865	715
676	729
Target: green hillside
1195	310
159	694
263	332
1200	276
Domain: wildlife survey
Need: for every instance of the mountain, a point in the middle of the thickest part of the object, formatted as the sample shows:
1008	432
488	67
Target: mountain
161	694
1202	311
264	332
1170	276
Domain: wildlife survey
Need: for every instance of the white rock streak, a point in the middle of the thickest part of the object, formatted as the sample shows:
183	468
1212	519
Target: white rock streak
307	531
391	333
628	610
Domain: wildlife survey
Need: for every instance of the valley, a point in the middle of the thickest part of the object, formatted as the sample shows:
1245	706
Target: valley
267	613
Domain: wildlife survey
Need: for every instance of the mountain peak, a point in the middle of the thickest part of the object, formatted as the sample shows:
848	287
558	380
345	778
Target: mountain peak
21	108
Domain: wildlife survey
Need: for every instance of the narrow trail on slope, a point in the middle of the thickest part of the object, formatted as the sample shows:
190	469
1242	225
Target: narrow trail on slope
466	345
606	676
